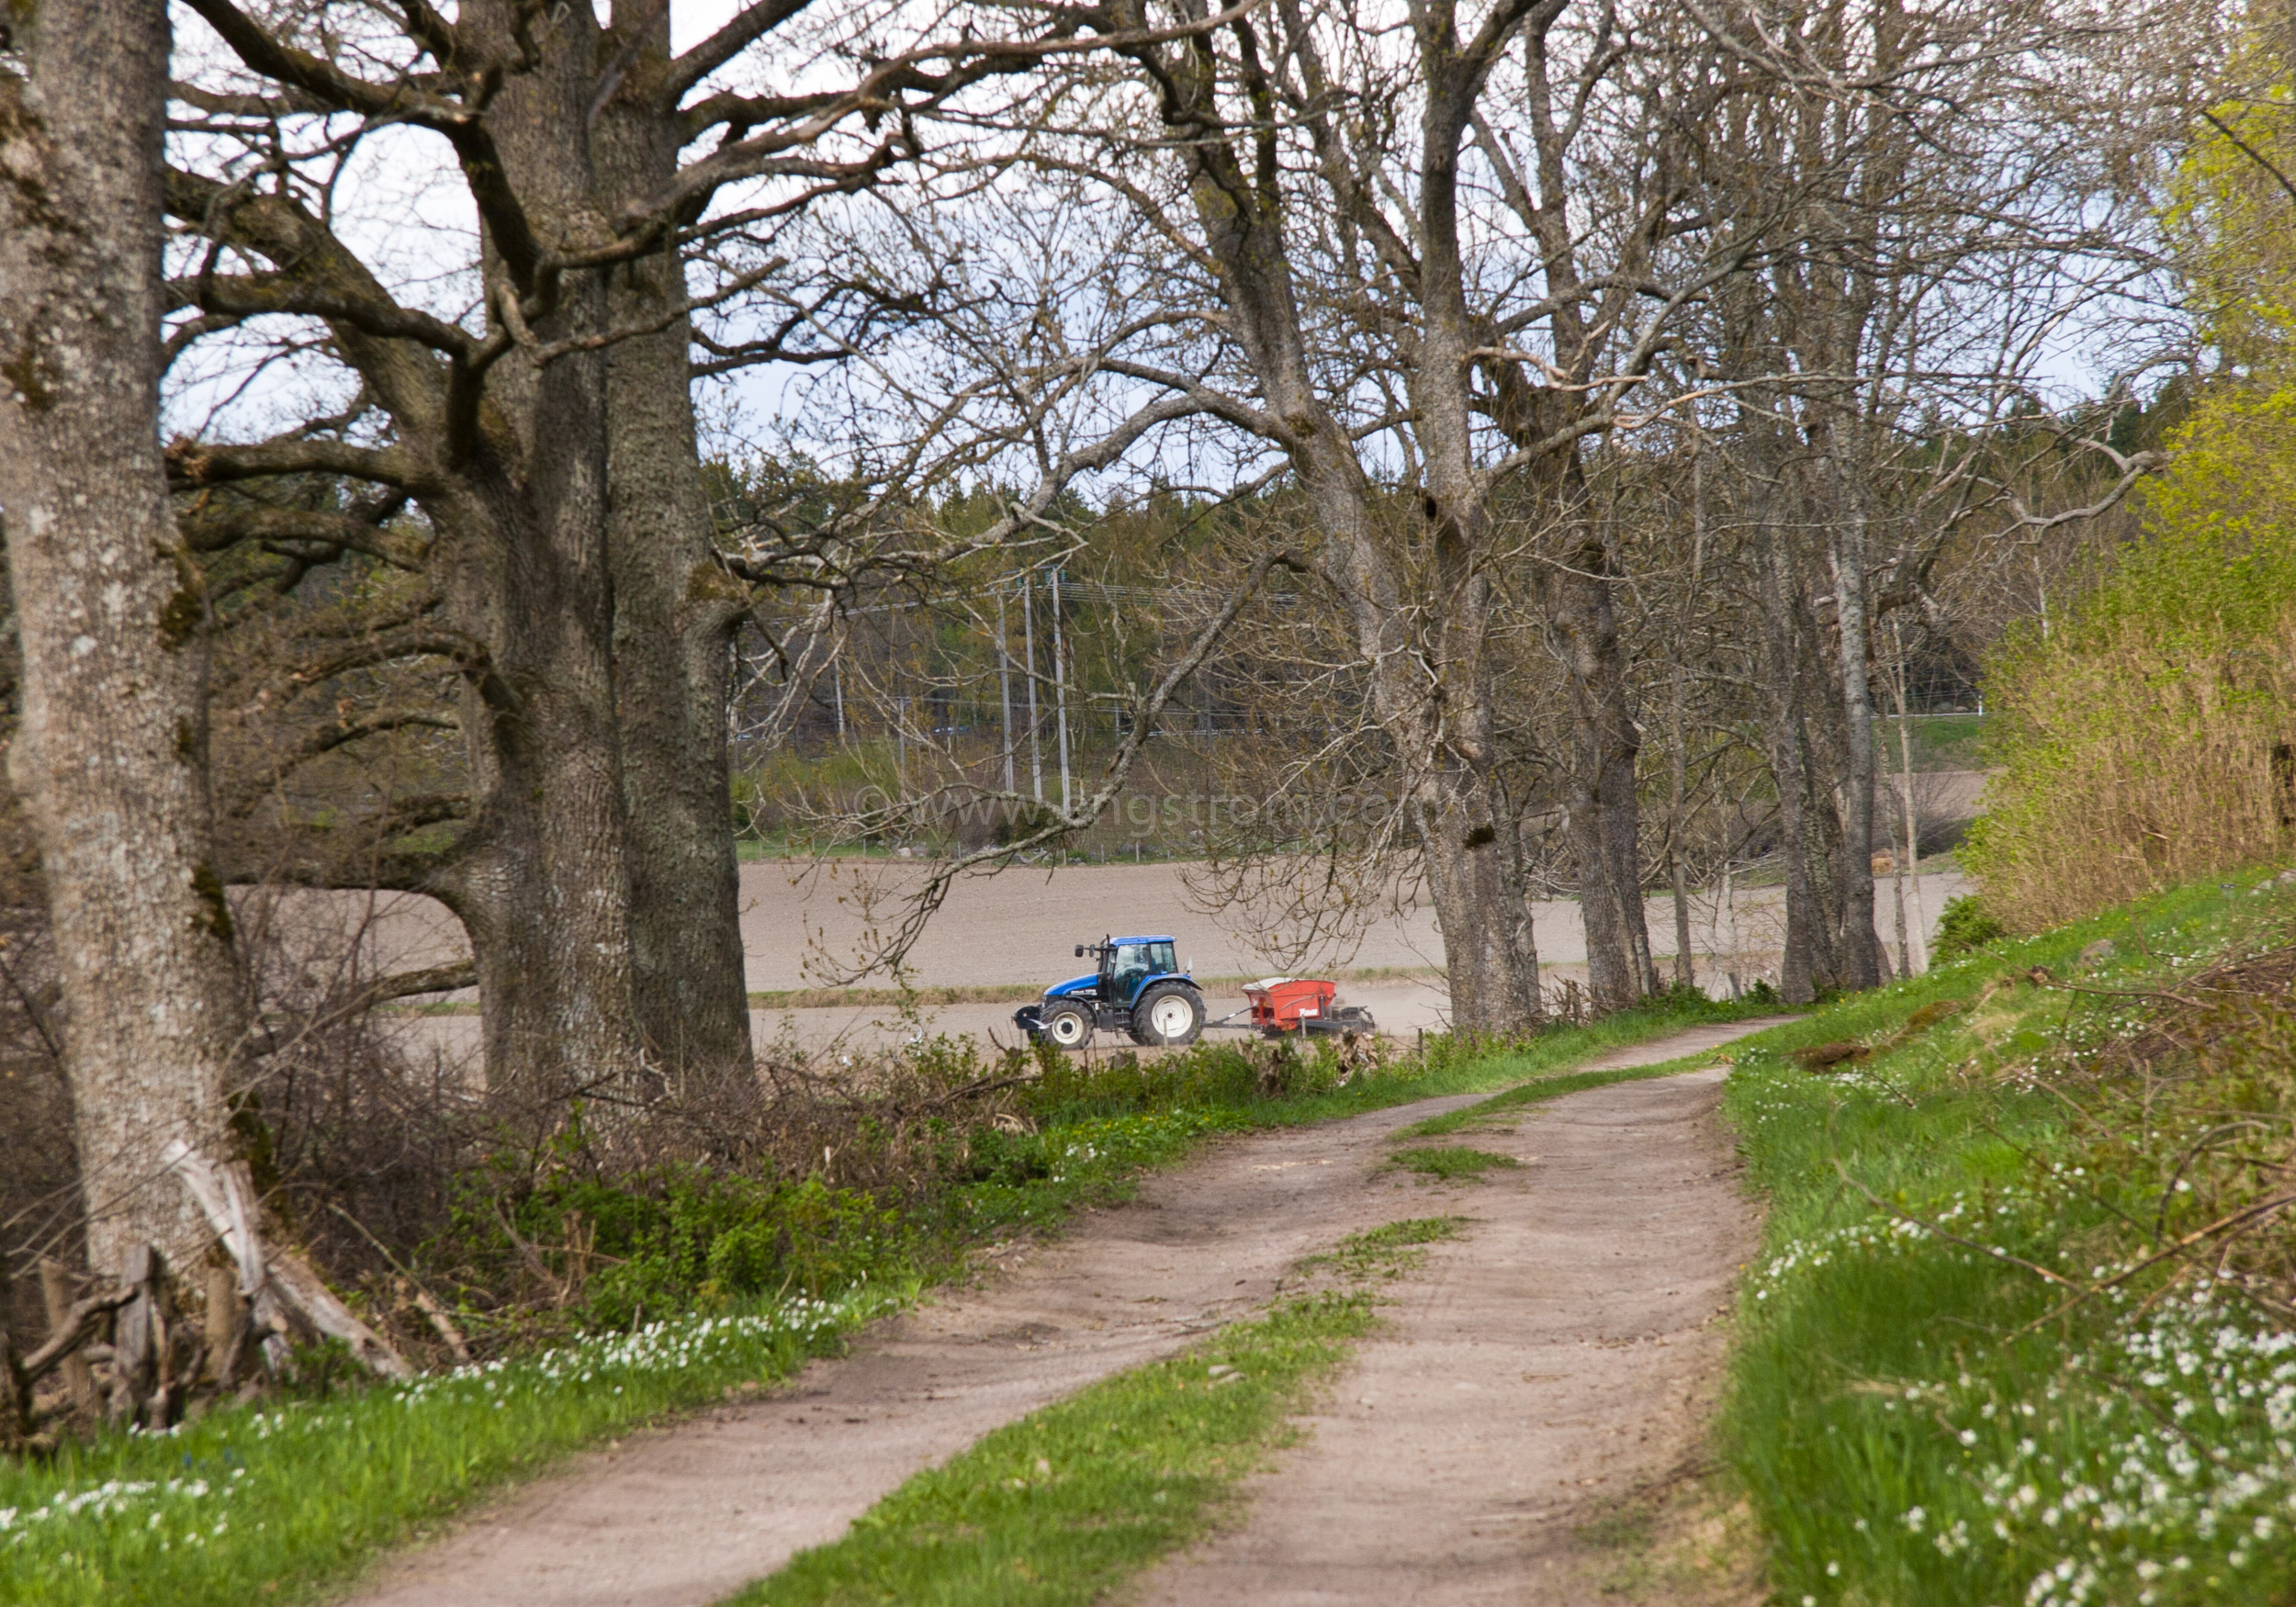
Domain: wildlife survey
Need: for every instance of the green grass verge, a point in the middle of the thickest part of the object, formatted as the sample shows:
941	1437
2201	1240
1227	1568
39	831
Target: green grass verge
1064	1506
294	1494
279	1500
1915	1418
1450	1163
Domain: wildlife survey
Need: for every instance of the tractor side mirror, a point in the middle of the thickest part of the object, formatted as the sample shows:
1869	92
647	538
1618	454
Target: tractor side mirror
1080	950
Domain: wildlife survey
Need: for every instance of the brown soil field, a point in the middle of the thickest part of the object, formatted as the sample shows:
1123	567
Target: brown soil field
1020	927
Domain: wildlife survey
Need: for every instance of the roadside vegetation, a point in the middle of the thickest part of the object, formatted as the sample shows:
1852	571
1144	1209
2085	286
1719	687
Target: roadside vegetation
2021	1332
2146	726
589	1295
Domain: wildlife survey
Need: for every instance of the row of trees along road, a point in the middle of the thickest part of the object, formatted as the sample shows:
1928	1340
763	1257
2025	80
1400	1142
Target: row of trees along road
1429	297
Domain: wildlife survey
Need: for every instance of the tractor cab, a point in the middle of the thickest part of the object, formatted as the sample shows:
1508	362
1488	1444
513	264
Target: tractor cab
1139	989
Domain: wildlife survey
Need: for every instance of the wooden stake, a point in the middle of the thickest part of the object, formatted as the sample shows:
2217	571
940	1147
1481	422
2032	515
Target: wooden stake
57	1287
133	1337
227	1323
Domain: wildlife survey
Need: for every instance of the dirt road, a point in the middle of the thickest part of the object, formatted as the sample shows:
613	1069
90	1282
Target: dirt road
1561	1355
683	1516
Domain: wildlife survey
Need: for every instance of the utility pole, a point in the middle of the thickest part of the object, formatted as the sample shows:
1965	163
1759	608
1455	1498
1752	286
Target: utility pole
1059	687
1028	637
1004	682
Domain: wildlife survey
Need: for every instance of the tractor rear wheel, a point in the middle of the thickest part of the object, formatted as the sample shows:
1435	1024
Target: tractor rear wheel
1067	1025
1168	1015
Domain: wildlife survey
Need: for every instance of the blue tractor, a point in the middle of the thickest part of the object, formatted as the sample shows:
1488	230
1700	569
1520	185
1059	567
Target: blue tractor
1139	989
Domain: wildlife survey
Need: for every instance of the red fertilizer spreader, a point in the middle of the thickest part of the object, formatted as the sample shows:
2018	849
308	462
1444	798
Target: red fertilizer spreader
1281	1004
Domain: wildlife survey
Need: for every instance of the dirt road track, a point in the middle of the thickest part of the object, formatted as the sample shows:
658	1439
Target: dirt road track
1560	1356
684	1515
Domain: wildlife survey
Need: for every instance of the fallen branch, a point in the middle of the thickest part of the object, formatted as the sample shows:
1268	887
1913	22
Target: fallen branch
2246	1214
986	1085
428	1305
278	1284
424	1300
71	1332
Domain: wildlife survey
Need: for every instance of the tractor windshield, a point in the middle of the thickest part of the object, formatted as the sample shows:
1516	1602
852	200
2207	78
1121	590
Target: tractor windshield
1133	963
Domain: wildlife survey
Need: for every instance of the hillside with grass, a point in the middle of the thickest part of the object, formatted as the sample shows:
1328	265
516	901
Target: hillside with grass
2021	1327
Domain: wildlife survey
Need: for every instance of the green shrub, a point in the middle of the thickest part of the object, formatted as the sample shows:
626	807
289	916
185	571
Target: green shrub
689	1237
1964	928
2144	736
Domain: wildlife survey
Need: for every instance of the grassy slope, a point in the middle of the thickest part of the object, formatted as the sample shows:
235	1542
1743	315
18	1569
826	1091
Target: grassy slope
292	1496
1904	1436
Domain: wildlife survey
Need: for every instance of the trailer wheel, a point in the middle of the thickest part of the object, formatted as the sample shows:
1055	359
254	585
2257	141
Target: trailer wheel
1168	1015
1068	1025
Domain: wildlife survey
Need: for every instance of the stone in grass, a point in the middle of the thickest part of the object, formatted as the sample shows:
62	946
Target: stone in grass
1930	1014
2099	954
1921	1020
1825	1057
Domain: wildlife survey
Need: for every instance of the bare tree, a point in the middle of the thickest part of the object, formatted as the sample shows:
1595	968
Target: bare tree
1954	217
525	454
1421	266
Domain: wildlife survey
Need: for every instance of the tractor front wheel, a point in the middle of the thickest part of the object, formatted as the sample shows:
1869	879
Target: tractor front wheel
1068	1025
1168	1016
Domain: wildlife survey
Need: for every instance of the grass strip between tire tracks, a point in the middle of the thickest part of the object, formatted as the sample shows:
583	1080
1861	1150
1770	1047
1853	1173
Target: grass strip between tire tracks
1450	1163
1497	1109
1067	1503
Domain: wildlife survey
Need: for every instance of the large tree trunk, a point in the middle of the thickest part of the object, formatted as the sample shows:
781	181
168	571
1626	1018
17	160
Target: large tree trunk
1481	907
544	893
1603	813
674	609
110	757
1806	742
547	898
1778	586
